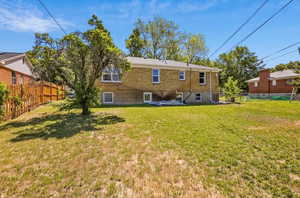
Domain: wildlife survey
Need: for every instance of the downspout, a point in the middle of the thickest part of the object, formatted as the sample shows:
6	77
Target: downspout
190	85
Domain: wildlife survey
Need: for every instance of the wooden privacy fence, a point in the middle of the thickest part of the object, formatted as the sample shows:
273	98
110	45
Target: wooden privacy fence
24	98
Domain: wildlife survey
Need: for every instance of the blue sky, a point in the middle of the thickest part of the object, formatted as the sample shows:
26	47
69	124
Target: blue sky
215	19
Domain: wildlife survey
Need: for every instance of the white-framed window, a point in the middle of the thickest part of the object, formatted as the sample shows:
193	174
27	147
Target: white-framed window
198	97
111	74
274	83
108	97
155	76
182	75
147	97
179	97
256	84
202	78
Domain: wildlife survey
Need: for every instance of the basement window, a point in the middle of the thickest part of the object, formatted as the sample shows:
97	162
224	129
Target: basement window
108	97
202	78
147	97
182	75
198	97
155	76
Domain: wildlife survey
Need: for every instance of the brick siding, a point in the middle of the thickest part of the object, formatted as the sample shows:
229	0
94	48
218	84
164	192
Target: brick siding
139	80
6	77
265	85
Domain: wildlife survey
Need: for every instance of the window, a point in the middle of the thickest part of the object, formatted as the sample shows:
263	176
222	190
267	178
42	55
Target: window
155	75
274	83
111	74
198	97
182	75
179	97
13	78
147	97
256	84
108	97
202	78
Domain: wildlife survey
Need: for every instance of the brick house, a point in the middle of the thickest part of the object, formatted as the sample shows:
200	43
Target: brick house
15	68
272	84
151	80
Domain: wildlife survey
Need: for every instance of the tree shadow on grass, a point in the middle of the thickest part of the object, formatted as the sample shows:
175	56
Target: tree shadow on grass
59	125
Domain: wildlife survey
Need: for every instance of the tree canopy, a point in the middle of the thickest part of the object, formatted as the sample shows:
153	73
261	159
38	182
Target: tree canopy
161	39
77	60
294	65
241	64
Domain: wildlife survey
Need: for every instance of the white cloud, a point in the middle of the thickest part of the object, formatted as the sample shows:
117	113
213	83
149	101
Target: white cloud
194	6
147	9
20	17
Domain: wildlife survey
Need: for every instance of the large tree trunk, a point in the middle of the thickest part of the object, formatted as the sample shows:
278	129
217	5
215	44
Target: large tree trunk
85	108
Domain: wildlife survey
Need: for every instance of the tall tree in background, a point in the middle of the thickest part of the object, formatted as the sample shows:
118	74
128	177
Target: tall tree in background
161	38
294	65
135	44
241	64
194	48
78	59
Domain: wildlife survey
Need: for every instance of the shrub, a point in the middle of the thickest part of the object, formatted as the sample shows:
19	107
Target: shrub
231	89
3	97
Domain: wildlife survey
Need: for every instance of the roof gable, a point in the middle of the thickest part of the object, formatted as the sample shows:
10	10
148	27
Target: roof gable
17	62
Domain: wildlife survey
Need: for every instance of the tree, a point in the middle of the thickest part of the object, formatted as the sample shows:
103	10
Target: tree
231	89
135	44
78	59
161	38
41	67
294	65
240	64
194	47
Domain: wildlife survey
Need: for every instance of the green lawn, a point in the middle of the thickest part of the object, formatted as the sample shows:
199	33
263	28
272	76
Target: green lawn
246	150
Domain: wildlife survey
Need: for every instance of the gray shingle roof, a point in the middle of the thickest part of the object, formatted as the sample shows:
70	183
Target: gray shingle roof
167	63
13	61
285	74
6	55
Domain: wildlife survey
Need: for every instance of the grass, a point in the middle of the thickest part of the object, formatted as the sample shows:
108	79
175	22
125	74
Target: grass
246	150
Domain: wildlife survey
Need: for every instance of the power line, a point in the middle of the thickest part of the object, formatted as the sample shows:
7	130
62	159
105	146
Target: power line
291	52
49	13
264	23
281	50
240	27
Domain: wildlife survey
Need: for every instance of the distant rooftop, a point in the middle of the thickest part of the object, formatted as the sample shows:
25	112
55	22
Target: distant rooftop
167	63
6	55
285	74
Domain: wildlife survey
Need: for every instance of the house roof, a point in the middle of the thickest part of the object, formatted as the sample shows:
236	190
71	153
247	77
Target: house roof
11	60
285	74
170	64
8	55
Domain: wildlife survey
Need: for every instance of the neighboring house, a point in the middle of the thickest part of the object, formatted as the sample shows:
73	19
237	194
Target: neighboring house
272	84
15	68
151	80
